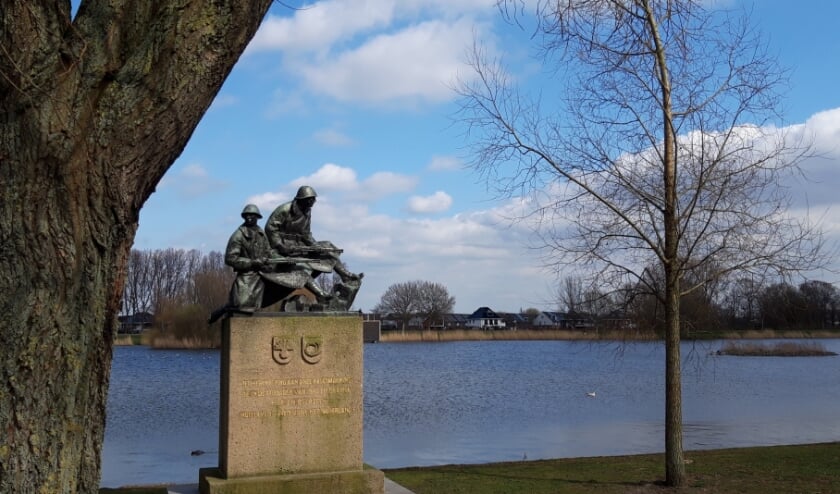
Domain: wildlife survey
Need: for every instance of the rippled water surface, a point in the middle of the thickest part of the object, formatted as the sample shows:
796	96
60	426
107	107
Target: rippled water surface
473	402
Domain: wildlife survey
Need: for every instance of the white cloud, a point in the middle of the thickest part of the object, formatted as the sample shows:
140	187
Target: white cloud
317	27
383	184
339	179
268	201
817	187
438	202
445	163
333	137
330	177
192	181
416	64
376	51
825	129
480	263
195	171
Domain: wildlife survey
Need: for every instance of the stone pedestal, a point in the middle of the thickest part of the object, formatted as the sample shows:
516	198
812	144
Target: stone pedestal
291	407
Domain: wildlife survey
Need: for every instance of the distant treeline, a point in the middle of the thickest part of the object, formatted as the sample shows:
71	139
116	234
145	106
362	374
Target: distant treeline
180	288
739	305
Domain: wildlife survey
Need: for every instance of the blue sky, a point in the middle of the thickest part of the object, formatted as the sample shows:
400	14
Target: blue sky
353	97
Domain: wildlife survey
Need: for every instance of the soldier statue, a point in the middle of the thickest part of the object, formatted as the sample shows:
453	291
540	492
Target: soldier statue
272	265
246	252
290	236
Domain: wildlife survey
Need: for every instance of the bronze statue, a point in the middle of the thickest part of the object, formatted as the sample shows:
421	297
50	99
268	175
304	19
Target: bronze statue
246	253
261	279
272	265
289	233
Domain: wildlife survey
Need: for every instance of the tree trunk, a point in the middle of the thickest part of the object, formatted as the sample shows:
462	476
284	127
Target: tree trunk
93	111
674	462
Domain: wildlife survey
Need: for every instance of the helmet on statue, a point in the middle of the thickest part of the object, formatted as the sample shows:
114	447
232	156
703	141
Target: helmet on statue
305	192
251	209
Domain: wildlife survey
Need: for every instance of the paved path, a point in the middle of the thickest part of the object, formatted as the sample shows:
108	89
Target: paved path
391	487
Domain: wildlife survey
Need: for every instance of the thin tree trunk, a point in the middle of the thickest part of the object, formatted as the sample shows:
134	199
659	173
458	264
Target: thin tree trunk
674	462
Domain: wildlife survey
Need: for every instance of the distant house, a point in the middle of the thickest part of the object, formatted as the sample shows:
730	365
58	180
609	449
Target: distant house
135	323
616	320
514	320
484	318
454	321
547	319
580	321
563	320
443	321
387	322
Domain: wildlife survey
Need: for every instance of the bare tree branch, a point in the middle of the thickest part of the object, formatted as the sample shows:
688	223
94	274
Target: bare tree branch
660	153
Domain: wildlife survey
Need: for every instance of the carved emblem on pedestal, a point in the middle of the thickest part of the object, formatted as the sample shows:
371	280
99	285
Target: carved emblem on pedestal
282	350
311	348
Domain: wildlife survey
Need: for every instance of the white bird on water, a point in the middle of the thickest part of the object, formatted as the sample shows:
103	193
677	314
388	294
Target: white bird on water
591	394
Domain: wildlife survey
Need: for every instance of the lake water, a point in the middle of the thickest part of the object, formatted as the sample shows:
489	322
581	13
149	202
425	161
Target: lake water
475	402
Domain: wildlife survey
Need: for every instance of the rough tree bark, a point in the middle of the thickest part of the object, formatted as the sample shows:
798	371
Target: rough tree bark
93	110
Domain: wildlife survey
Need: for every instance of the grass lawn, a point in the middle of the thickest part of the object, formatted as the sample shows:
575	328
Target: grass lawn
133	490
808	468
811	468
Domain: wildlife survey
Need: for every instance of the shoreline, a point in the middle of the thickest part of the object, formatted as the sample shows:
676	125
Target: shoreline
450	335
421	336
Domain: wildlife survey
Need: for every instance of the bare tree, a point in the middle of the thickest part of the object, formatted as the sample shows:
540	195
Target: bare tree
406	300
433	301
174	274
662	155
172	271
137	294
821	300
181	288
211	282
530	314
597	303
741	302
94	108
328	280
782	307
570	294
400	300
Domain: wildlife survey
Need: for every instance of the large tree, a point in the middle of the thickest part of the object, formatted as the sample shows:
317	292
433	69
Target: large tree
410	299
433	302
655	149
821	300
93	110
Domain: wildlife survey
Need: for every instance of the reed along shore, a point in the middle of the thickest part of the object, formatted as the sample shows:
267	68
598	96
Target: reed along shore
397	336
154	339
